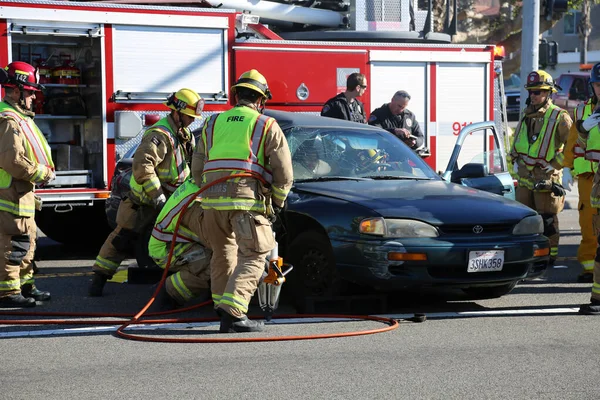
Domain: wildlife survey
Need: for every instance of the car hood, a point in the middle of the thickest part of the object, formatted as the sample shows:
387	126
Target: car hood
435	202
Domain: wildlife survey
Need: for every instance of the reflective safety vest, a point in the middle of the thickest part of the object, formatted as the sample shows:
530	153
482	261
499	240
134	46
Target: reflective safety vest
581	164
234	142
542	150
37	150
162	233
170	178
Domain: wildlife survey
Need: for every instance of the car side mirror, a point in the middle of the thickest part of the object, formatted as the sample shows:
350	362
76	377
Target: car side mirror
471	170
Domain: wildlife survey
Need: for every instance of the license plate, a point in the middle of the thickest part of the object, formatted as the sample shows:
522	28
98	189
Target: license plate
486	261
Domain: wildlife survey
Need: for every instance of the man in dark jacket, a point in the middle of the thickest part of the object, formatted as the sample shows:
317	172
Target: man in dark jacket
346	104
394	117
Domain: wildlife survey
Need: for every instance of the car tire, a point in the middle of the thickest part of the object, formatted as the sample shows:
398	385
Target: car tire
490	292
314	274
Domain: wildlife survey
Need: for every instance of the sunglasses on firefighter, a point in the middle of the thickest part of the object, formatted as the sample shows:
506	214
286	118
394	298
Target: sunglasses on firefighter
535	92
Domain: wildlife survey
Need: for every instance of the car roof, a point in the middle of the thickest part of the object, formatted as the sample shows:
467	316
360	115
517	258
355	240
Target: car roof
287	119
577	73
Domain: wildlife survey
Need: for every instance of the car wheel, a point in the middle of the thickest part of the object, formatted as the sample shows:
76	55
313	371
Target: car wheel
314	273
490	292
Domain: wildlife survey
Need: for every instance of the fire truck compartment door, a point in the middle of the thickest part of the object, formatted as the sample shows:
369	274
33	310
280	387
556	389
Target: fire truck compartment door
152	61
487	170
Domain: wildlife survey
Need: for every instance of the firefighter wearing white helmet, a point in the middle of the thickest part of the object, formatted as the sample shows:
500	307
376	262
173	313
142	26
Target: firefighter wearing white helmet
25	160
588	126
160	165
241	140
537	154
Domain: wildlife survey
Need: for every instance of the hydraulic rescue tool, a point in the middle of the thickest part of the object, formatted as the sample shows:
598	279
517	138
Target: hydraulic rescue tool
271	281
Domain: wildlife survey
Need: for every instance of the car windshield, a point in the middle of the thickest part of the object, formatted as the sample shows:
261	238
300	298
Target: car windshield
512	82
335	153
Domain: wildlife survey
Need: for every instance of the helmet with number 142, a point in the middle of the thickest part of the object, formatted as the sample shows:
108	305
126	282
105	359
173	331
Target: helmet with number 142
187	102
540	80
22	75
253	80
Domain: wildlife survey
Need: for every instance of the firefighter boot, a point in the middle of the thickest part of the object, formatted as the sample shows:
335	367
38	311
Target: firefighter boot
231	324
29	290
590	309
585	277
16	300
164	300
97	285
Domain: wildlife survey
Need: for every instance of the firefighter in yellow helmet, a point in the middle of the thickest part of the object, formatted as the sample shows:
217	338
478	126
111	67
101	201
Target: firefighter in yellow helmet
537	154
588	126
25	160
241	140
160	165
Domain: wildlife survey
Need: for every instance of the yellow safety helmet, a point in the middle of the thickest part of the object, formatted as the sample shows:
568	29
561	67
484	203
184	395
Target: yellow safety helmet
540	80
186	101
368	157
253	80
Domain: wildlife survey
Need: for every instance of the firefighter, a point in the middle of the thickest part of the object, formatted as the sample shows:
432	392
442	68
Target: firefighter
346	104
395	118
191	257
160	165
25	160
241	140
588	127
576	165
537	155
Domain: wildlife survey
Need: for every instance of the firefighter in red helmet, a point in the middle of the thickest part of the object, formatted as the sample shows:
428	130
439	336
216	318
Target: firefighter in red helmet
25	160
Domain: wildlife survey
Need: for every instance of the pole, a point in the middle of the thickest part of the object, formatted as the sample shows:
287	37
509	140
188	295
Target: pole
529	42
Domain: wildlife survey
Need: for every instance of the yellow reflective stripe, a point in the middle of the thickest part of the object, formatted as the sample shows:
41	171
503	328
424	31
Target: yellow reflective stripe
13	208
553	251
588	265
39	175
106	264
596	288
178	284
233	301
216	298
27	280
279	193
560	158
151	184
233	204
9	286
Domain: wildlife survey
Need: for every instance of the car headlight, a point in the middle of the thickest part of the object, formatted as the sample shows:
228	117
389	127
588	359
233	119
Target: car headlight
533	225
397	228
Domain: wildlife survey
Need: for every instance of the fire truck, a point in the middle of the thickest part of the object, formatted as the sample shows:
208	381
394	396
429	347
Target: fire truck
108	68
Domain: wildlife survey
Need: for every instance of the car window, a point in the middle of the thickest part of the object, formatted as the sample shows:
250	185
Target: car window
564	81
322	152
491	160
475	149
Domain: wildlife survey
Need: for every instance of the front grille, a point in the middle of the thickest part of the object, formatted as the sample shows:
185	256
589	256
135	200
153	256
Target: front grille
468	229
513	101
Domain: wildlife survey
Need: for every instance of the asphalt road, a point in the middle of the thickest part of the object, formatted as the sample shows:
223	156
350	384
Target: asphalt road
530	344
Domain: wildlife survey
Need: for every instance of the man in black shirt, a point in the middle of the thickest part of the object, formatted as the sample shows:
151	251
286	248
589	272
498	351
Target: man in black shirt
346	105
394	117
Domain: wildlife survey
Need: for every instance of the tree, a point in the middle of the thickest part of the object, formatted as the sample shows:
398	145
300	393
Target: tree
502	24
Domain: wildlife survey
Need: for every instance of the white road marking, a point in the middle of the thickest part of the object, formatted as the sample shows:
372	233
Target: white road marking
286	321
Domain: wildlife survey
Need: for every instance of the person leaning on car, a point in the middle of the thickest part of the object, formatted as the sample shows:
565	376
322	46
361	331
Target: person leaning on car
577	165
537	154
160	165
394	117
588	127
346	104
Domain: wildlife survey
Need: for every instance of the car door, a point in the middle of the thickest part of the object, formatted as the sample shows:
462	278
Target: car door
479	161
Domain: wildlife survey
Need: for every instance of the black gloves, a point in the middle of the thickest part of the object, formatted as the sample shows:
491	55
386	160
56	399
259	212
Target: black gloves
556	188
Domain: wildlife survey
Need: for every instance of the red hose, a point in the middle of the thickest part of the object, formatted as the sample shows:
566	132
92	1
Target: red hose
136	319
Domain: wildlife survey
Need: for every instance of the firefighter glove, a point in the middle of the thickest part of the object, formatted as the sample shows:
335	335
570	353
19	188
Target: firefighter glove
548	168
558	190
159	201
591	121
516	167
567	178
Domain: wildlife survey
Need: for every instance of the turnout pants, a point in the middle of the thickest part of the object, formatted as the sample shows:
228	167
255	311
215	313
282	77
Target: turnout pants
120	243
18	237
587	247
190	279
548	205
241	241
596	284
